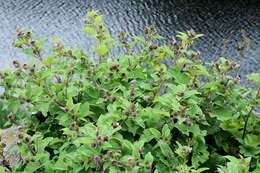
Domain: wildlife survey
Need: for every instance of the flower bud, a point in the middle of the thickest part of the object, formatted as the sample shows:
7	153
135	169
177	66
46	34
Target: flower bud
97	158
93	145
115	125
20	128
20	135
2	145
27	139
153	47
105	138
11	117
113	162
188	122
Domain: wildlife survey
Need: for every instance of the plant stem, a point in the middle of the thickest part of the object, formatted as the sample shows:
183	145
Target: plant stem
248	115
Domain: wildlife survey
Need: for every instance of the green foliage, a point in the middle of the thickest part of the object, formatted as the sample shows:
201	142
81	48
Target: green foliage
151	108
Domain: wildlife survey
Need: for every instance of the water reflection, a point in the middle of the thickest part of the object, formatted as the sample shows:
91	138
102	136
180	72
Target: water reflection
217	19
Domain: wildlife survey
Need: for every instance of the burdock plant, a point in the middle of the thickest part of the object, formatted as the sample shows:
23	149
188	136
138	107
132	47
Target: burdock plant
134	112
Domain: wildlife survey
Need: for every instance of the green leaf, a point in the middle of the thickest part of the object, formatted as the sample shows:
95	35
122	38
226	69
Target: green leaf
89	30
41	144
102	50
149	158
44	108
28	51
166	132
150	134
222	114
235	165
48	61
180	77
32	167
84	109
60	165
165	148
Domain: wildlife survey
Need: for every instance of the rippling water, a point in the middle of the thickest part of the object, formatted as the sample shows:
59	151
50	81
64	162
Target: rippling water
217	19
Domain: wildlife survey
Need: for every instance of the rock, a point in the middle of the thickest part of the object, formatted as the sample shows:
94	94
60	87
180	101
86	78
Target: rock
9	138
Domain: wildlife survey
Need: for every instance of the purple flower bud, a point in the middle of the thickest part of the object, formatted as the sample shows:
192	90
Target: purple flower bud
93	145
130	159
97	158
114	162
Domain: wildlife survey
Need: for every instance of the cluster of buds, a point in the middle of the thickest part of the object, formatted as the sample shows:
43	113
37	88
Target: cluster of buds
150	31
132	92
23	35
74	126
102	33
123	38
161	71
99	139
2	75
114	67
223	67
91	71
2	146
174	44
196	55
109	98
113	155
153	46
24	40
131	162
22	136
30	69
181	112
11	117
191	33
16	64
131	111
60	49
36	49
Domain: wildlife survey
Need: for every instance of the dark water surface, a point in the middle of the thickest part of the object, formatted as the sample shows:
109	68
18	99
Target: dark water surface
217	19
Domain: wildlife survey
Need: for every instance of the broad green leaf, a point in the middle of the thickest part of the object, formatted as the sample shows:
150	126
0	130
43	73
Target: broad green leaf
32	167
149	157
60	165
166	132
165	148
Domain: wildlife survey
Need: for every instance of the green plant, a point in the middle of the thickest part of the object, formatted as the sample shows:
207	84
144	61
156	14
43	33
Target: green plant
149	108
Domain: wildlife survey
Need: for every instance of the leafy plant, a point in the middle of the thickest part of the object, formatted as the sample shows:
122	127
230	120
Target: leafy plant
150	108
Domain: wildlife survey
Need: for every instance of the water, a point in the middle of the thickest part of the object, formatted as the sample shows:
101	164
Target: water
217	19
